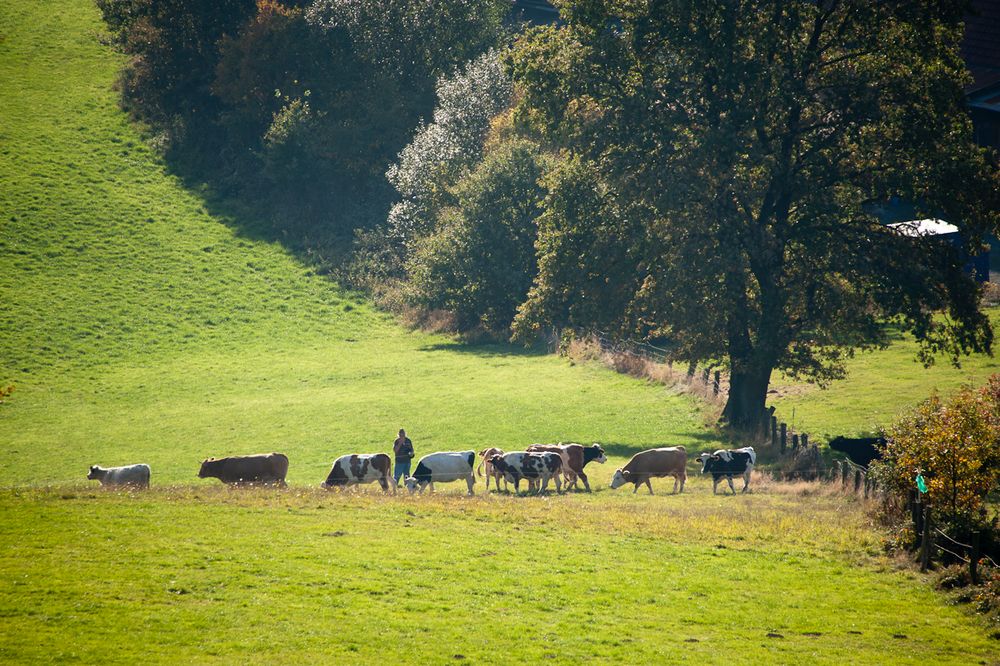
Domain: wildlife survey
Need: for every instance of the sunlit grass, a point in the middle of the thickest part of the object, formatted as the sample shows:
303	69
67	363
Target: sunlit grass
189	574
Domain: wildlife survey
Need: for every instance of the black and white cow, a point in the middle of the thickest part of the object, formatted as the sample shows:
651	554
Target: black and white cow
728	463
358	468
443	467
536	467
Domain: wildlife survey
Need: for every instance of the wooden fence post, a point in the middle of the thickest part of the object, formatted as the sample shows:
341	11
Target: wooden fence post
784	437
774	431
804	440
974	558
690	373
795	442
704	377
925	542
857	480
917	512
716	384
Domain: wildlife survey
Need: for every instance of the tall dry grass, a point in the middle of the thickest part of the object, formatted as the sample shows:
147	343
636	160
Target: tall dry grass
588	349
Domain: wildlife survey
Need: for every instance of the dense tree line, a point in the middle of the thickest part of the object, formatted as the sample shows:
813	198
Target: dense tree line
702	172
296	105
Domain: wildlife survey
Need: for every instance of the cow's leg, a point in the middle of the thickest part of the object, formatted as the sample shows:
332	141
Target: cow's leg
543	484
583	477
649	485
729	479
746	480
715	484
471	481
558	485
636	489
675	485
683	479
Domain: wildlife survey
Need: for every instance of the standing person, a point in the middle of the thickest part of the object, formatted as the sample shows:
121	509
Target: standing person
403	448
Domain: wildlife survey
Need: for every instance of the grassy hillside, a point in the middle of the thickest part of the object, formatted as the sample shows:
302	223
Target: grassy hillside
138	326
878	387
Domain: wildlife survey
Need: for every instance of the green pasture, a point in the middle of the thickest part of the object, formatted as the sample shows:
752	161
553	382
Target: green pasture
303	576
879	386
141	323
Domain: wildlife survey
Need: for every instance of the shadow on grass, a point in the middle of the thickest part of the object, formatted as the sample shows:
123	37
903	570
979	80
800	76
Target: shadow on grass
486	350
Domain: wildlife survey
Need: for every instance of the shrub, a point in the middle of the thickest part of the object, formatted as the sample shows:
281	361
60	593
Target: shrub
480	260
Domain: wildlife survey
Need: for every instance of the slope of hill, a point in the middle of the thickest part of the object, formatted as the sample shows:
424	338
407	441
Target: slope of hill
139	326
879	386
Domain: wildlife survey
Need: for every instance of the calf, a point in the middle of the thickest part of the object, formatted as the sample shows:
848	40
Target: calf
130	475
861	450
260	468
486	454
575	458
357	468
539	466
666	461
443	467
727	463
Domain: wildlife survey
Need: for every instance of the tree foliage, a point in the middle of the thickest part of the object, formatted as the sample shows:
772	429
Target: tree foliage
479	260
297	105
741	145
445	149
954	444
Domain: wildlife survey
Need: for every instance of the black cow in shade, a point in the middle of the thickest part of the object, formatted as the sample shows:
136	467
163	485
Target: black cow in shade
861	450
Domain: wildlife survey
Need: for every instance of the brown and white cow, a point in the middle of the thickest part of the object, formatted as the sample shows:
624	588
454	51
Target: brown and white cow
262	468
359	468
536	467
667	461
485	455
575	458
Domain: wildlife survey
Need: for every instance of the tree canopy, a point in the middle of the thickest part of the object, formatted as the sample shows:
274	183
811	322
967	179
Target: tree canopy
735	150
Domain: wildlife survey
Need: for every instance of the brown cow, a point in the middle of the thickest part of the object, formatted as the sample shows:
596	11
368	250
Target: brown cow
575	457
668	461
260	468
486	454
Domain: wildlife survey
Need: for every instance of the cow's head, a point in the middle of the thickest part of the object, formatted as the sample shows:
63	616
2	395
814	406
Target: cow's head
594	452
95	472
206	468
706	460
620	478
411	484
498	463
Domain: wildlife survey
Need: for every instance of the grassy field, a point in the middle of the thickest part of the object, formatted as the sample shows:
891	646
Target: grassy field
204	575
879	386
139	325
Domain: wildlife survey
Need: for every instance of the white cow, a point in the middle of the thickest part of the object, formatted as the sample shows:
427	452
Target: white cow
443	467
130	475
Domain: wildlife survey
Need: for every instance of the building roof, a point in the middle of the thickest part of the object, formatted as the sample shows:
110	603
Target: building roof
981	44
921	228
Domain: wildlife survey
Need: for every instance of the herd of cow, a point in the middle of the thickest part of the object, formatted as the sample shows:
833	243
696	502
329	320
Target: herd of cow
562	464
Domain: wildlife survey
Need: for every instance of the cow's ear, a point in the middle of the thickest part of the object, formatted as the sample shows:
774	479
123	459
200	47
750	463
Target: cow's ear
716	457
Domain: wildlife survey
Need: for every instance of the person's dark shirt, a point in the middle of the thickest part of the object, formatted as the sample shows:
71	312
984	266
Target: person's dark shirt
403	448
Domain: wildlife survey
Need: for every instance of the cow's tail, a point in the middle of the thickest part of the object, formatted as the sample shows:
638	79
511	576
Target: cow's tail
479	470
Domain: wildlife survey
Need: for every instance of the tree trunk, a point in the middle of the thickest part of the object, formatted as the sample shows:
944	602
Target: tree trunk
747	395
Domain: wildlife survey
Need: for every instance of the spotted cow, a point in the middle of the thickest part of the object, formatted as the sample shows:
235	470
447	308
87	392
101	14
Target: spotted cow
360	468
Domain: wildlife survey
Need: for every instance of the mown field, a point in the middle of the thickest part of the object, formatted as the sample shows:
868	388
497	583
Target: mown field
139	324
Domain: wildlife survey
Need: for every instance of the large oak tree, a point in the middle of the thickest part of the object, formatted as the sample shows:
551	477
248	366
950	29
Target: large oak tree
728	156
